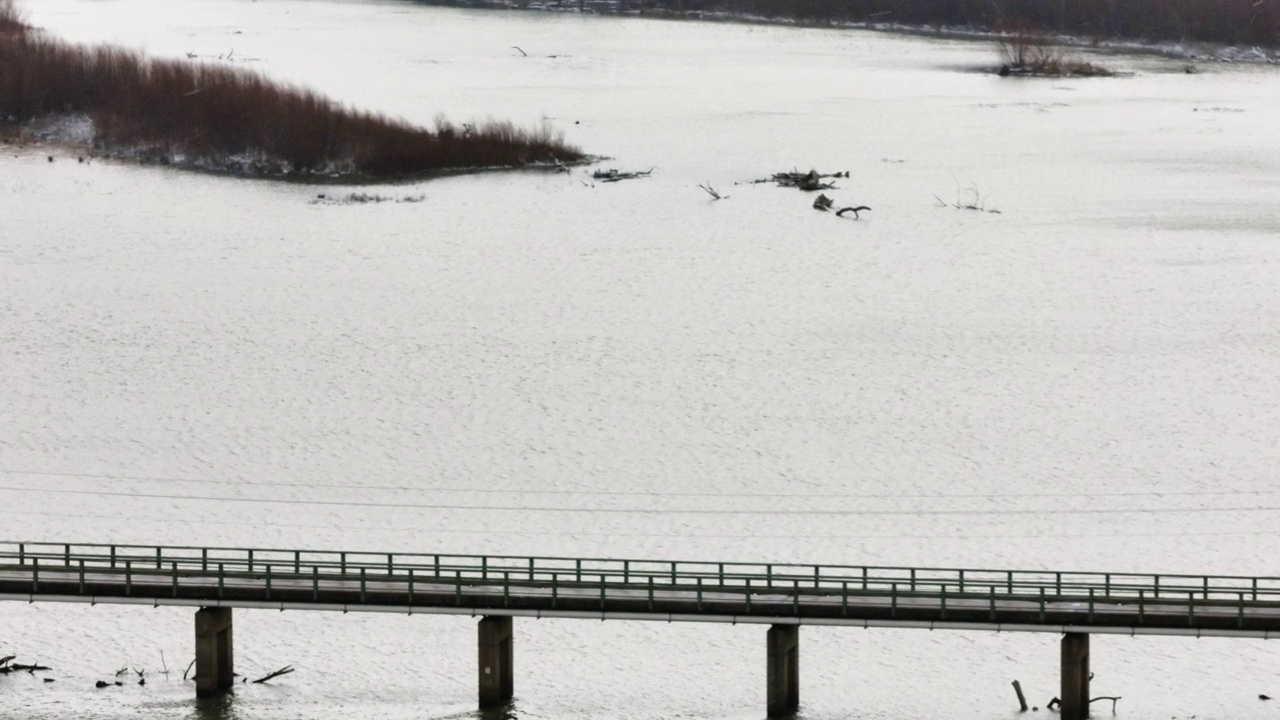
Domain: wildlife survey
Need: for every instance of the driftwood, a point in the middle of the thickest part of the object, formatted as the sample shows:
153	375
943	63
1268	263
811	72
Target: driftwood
282	671
808	182
6	668
612	175
1022	699
184	672
823	203
854	210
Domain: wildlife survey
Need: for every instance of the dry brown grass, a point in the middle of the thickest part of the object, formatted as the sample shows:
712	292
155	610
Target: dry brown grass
205	114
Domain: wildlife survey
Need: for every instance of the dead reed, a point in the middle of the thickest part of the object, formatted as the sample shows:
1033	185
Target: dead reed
217	116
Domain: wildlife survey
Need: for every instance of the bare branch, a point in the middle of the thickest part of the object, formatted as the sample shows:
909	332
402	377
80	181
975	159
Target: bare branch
282	671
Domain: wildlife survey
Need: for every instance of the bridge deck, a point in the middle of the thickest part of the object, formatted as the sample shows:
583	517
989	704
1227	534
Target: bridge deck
641	589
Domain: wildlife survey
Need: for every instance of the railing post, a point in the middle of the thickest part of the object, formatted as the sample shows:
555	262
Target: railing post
297	561
22	553
506	590
962	582
221	580
175	579
768	575
795	604
1157	590
721	574
913	579
748	596
113	556
82	578
555	581
893	601
1240	611
1106	587
1008	583
530	569
1057	586
362	584
204	559
250	559
1141	592
992	598
944	601
1090	606
1191	607
35	575
128	577
699	594
159	565
604	585
268	581
577	571
390	565
410	587
342	563
844	598
66	555
315	583
457	588
864	577
484	567
1042	603
437	559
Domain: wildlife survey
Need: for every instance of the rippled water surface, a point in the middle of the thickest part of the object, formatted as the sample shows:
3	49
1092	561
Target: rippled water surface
526	363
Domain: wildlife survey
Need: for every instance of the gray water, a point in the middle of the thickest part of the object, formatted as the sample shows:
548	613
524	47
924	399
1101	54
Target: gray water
525	363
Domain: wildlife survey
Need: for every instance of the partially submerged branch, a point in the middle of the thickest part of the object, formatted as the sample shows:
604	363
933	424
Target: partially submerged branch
282	671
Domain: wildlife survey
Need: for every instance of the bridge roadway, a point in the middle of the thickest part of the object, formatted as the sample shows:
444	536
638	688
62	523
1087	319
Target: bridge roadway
783	596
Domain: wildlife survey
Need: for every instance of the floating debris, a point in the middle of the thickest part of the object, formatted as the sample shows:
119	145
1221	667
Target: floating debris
613	175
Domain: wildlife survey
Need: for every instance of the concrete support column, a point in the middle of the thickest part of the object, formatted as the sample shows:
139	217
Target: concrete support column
497	679
1075	676
783	675
214	657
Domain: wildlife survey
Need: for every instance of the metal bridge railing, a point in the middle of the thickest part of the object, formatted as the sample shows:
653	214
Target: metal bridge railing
259	567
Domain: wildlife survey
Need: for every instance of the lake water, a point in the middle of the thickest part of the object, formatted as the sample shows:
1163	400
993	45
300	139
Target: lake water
528	363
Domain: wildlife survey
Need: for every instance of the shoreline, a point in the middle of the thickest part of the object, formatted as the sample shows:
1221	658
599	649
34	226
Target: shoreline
1195	50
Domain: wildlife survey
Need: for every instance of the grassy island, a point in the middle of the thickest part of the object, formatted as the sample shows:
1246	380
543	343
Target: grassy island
226	119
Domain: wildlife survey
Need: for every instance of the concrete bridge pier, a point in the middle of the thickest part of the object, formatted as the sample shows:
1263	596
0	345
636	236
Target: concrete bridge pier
1075	676
497	678
214	656
783	675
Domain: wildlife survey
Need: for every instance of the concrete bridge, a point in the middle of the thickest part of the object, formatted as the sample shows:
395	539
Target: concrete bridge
498	589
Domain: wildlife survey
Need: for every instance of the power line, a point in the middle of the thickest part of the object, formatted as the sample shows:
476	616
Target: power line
632	493
641	511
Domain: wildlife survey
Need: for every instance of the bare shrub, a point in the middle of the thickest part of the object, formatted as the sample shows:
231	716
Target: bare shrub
1024	49
208	114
